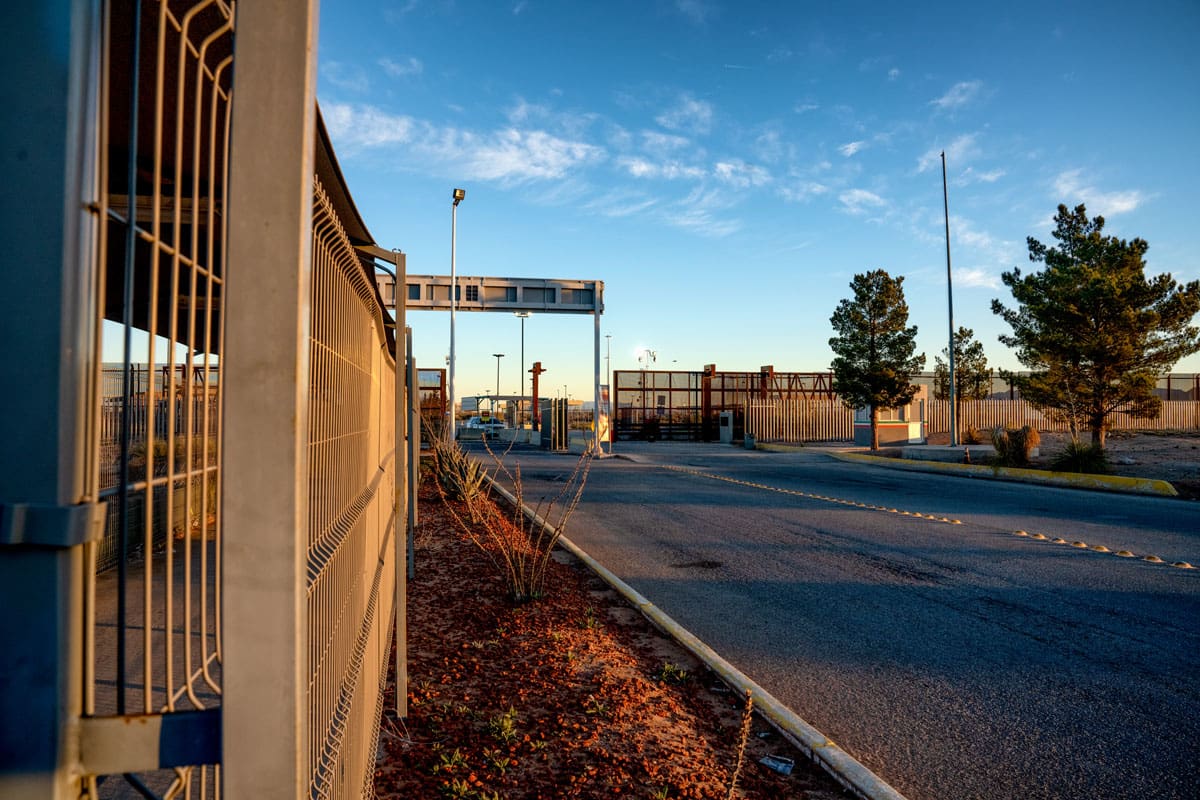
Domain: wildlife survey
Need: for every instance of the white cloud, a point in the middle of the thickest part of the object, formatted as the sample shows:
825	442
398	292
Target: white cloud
619	203
893	74
740	175
689	114
663	143
975	278
698	213
509	154
860	201
525	155
803	191
804	108
402	69
366	126
668	170
958	151
697	11
960	94
851	148
345	76
1070	188
971	175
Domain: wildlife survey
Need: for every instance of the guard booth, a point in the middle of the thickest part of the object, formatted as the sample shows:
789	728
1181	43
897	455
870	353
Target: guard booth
726	427
904	425
553	413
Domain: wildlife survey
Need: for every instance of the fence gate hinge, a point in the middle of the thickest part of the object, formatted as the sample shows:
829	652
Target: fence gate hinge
51	526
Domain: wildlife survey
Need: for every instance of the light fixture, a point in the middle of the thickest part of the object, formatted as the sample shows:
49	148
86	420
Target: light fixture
459	195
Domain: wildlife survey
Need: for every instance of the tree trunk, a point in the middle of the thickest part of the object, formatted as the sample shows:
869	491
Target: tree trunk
874	428
1098	431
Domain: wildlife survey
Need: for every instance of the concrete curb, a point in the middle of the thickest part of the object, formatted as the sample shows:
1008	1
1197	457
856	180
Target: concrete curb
820	748
1070	480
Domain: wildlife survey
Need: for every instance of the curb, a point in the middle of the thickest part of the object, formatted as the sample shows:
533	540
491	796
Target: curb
816	745
1070	480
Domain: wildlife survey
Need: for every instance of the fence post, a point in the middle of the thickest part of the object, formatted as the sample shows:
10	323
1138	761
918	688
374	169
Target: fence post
267	304
48	324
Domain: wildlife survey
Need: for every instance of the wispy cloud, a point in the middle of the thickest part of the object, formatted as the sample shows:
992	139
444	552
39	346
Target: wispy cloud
804	108
860	201
660	143
699	213
519	7
402	69
802	191
509	154
620	203
740	175
975	278
971	175
960	94
668	170
1071	187
689	114
851	148
698	12
960	150
346	77
893	74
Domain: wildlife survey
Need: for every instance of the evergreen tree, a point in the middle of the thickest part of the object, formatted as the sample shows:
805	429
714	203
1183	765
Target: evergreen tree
972	377
1094	331
874	348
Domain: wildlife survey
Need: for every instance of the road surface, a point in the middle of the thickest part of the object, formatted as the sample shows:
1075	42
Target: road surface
953	659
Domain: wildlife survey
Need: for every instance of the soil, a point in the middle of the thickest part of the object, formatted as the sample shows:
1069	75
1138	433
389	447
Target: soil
573	695
1172	456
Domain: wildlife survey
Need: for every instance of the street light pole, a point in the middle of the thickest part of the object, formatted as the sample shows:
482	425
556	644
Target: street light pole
524	315
458	196
496	398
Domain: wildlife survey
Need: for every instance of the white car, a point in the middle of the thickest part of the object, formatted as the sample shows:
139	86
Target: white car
490	425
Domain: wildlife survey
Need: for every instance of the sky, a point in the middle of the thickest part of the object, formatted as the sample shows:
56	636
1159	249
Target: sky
726	168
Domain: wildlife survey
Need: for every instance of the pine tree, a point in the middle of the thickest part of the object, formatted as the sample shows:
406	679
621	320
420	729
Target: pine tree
972	377
874	348
1094	331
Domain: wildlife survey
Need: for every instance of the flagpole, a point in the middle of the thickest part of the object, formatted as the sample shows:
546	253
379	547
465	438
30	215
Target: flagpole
950	306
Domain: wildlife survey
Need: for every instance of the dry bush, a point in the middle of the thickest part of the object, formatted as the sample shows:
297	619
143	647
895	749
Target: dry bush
1014	446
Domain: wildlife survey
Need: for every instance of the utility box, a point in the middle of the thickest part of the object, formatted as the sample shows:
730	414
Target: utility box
554	425
726	418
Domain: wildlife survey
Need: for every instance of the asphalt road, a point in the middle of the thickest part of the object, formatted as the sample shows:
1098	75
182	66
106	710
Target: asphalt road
953	660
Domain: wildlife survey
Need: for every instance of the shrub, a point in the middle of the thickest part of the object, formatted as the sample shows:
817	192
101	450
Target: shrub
1082	457
1014	446
971	435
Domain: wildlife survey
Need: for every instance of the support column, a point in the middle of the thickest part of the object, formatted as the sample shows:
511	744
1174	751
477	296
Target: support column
265	372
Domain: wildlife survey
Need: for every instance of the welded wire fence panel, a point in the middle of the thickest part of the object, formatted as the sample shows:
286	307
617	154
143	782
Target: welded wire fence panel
152	642
351	522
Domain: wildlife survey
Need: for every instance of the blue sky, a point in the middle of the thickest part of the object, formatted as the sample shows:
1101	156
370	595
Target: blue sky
726	168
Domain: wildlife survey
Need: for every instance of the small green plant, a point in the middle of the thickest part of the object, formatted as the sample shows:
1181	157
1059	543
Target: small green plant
497	760
538	744
589	619
671	673
594	706
1082	457
663	793
503	726
450	762
458	788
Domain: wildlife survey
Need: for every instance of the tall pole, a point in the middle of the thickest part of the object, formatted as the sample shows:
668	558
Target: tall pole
950	306
458	197
496	397
524	315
